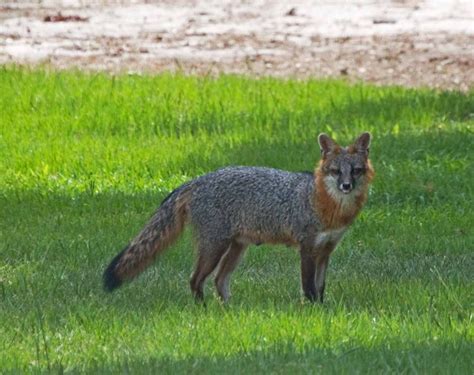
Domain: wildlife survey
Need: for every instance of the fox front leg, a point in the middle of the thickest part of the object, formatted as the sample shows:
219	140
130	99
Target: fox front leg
308	271
321	267
321	259
314	263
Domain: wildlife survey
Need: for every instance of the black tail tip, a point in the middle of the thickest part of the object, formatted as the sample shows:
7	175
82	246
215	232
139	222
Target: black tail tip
111	281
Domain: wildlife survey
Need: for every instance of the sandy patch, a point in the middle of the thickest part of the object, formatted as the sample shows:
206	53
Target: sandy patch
412	43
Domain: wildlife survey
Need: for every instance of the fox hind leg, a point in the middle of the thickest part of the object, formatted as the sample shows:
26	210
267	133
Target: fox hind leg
209	255
227	265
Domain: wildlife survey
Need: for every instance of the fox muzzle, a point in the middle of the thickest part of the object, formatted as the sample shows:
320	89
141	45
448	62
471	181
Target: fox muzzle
345	187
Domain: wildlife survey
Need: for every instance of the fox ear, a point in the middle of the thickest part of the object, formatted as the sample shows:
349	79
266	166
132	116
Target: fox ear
326	144
362	143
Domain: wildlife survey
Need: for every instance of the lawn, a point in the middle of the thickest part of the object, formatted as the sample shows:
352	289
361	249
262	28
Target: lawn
85	159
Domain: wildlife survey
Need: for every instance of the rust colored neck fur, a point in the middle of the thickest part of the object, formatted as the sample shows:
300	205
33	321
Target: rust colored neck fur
336	213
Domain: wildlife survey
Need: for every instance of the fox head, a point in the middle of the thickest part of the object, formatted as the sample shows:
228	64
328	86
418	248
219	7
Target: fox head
345	170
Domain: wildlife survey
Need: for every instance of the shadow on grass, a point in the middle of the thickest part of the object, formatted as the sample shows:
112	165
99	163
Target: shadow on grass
57	253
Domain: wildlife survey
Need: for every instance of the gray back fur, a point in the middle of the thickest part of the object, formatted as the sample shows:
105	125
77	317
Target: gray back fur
254	204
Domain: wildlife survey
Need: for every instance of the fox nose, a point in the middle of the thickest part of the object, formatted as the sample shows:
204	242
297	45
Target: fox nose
346	187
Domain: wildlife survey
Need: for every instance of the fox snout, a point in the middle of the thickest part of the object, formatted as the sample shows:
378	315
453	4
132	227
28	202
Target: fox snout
345	187
345	180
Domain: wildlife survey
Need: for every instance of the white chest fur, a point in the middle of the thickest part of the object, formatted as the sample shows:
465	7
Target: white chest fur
333	236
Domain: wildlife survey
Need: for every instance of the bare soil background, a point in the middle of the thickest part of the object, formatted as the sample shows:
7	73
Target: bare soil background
410	43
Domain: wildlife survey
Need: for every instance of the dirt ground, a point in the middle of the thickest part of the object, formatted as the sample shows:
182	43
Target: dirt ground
410	43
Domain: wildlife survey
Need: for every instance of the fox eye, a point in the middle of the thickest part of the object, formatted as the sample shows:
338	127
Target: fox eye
358	170
335	171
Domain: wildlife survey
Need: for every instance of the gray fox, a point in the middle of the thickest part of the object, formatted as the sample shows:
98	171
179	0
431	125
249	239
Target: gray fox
233	207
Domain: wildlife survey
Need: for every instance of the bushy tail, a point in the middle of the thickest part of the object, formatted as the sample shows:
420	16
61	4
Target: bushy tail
161	231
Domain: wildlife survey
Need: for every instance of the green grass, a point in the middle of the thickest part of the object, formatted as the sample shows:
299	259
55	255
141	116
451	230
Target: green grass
86	158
